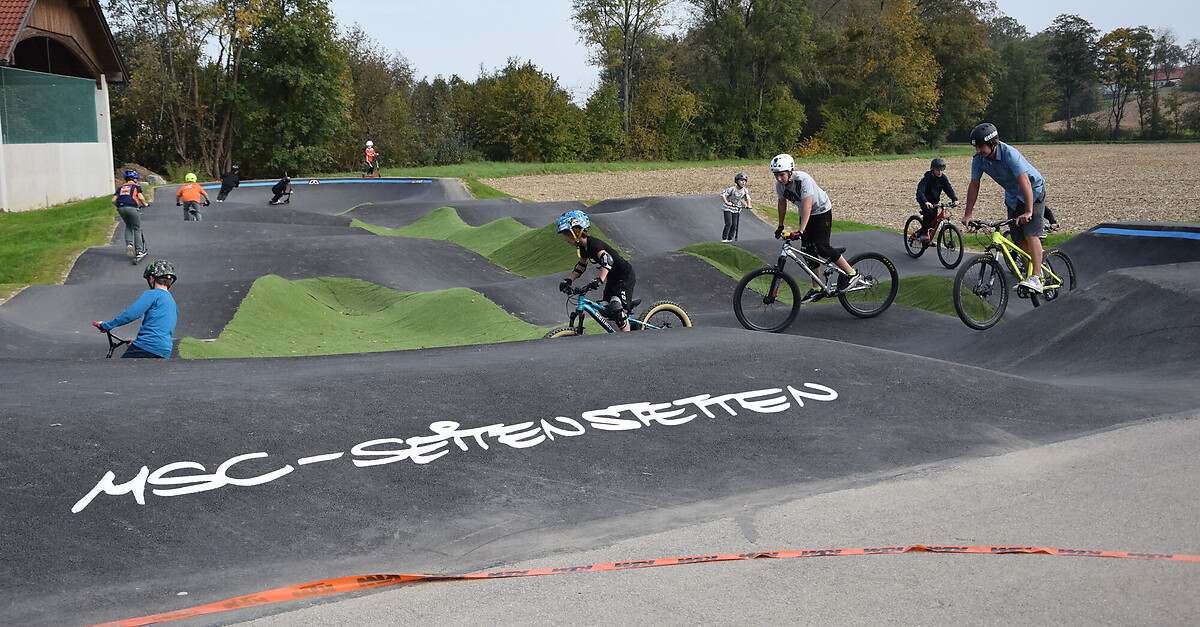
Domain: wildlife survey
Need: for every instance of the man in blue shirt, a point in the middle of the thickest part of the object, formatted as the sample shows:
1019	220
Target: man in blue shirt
157	308
1024	193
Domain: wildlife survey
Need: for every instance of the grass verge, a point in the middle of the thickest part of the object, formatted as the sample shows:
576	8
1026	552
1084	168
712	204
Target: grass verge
38	247
331	316
931	293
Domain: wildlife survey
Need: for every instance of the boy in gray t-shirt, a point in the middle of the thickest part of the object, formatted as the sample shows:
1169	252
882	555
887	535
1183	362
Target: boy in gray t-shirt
735	198
816	219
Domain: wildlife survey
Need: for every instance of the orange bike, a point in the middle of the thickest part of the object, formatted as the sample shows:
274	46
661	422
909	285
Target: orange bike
945	235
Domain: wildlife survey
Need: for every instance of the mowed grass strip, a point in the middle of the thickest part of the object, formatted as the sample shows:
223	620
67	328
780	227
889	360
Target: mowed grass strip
330	316
38	247
524	251
928	292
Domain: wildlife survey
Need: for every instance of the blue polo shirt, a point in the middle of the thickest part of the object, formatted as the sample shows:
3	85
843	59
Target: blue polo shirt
158	326
1004	169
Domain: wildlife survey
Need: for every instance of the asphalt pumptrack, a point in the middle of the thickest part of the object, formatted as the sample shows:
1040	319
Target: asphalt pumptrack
303	490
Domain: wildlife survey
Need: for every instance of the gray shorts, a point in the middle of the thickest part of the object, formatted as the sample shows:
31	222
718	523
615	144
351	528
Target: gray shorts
1035	227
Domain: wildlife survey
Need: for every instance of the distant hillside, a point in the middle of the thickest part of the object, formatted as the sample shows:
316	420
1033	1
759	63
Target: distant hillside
1130	119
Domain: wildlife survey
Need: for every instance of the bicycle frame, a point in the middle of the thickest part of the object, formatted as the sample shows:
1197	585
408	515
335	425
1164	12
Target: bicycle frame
585	306
114	342
1003	245
802	259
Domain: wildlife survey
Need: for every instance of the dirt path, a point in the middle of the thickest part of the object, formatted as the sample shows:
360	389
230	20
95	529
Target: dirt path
1086	184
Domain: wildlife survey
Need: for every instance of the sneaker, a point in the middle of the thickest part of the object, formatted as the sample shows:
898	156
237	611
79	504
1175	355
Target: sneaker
813	294
924	238
1033	284
129	250
848	282
140	256
726	241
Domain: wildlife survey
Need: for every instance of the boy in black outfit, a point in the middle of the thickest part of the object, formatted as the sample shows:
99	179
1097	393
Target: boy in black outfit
929	194
284	186
229	180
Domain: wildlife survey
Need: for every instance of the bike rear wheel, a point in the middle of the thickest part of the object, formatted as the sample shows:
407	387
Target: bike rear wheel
950	246
562	332
665	314
980	293
913	246
766	299
878	287
1055	263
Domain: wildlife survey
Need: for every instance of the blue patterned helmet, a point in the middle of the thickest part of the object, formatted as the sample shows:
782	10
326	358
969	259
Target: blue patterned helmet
572	219
131	174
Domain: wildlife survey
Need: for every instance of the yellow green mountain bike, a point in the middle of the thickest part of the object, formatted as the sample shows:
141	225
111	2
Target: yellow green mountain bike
981	287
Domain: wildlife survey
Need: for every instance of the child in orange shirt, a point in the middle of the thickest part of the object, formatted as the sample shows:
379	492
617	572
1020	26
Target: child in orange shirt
190	193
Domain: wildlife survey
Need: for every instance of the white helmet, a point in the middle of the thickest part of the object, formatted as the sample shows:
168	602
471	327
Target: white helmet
783	163
370	143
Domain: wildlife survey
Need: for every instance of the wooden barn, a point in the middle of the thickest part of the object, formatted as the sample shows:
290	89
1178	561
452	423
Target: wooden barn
57	59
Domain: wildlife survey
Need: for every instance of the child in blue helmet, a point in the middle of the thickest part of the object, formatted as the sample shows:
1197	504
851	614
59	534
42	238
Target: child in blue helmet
158	311
128	200
616	274
735	198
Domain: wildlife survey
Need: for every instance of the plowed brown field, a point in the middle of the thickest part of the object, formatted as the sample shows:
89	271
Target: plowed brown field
1085	184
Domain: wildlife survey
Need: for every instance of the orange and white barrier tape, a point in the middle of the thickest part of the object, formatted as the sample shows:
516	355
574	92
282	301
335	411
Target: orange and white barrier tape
350	584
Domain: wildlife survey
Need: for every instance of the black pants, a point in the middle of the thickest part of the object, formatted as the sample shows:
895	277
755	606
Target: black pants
816	235
224	193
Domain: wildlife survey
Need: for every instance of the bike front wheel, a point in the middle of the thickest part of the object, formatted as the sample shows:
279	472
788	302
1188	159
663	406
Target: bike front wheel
876	289
980	293
913	246
1058	277
950	246
766	299
562	332
665	314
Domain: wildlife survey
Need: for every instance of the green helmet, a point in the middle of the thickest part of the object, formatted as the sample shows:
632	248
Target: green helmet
159	268
191	177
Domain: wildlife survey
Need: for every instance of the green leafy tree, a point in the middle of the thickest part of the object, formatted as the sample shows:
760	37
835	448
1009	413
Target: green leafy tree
603	124
746	57
883	77
382	85
957	37
1124	68
185	59
1072	53
1024	98
1165	57
616	31
440	140
521	113
298	87
664	113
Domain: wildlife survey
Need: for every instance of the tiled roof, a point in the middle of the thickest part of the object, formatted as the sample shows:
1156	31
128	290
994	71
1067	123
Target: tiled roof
13	14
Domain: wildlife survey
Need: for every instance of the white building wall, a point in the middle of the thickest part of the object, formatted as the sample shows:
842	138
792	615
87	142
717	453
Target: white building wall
35	176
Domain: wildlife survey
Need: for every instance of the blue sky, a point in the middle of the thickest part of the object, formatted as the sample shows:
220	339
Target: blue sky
463	37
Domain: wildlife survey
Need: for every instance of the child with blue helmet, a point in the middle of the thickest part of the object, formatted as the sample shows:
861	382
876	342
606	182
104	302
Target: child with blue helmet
616	274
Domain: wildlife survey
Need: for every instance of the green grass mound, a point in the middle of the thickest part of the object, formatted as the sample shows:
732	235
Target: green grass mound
507	243
329	316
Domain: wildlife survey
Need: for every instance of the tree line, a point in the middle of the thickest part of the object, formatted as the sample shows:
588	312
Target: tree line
276	86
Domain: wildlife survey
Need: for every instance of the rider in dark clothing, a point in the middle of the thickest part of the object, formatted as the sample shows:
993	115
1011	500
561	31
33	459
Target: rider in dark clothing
229	180
616	274
929	193
284	186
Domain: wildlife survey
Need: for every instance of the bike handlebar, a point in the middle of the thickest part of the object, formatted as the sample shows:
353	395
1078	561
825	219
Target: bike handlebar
978	224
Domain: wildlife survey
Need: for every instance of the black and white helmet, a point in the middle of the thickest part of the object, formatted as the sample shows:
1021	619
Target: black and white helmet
740	176
985	133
